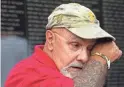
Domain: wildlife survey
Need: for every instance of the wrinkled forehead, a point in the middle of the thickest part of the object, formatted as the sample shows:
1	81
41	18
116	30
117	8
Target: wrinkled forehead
64	33
70	36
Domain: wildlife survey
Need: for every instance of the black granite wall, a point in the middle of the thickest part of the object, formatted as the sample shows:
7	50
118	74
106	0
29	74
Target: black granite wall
27	19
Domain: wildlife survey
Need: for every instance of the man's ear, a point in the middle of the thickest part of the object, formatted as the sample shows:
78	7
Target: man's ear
50	38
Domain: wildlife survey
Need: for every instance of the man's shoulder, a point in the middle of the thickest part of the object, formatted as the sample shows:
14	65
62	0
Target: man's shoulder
28	62
30	65
30	70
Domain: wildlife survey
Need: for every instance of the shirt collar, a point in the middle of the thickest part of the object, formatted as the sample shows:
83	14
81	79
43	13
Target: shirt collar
42	57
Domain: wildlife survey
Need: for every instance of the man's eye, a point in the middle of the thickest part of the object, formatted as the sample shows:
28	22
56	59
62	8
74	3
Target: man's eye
90	48
75	45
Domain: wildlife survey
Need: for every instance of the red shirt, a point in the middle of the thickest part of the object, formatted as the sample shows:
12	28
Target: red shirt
38	70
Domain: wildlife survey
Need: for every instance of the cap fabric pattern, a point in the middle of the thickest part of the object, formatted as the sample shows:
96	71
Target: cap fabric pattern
79	20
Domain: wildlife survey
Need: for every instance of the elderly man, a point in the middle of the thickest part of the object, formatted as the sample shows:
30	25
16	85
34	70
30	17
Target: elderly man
77	52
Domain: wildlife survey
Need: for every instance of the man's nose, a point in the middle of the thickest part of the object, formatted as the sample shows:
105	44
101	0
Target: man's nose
83	56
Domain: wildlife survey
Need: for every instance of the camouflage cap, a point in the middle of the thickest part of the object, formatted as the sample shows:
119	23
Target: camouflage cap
79	20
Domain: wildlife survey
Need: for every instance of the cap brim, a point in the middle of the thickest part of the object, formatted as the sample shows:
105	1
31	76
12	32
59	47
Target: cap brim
91	31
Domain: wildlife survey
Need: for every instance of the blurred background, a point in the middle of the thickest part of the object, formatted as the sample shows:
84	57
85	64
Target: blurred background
23	26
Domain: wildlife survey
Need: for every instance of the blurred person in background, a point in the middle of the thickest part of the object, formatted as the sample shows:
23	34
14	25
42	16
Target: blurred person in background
13	49
77	52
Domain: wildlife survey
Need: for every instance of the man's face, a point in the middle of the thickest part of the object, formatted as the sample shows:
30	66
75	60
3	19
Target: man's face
70	50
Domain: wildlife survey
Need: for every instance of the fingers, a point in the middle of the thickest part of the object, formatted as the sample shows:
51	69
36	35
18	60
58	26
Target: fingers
118	51
119	54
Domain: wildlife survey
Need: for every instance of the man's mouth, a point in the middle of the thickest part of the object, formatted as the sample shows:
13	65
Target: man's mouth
74	68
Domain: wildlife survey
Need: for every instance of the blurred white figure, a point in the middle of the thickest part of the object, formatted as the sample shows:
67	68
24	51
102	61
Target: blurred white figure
13	49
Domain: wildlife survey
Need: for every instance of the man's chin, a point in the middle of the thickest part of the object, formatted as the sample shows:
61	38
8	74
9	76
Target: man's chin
70	72
66	73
